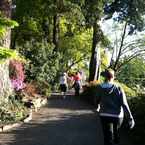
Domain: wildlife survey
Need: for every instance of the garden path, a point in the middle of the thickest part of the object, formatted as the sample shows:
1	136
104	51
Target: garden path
66	121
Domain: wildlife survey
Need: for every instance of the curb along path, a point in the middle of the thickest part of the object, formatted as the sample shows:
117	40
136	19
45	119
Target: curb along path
40	103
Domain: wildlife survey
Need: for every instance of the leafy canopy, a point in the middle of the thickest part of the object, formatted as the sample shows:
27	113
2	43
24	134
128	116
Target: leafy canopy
131	11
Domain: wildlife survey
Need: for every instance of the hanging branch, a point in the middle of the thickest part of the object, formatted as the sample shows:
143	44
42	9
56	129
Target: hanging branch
76	62
136	54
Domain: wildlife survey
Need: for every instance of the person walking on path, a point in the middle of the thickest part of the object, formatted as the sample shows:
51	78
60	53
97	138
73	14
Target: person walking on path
63	84
77	83
112	107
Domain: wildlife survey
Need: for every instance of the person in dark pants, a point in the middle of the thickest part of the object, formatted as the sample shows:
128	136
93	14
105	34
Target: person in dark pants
63	84
77	87
77	83
112	107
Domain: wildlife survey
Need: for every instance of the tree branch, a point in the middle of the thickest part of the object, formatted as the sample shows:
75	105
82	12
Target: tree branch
121	45
130	58
76	62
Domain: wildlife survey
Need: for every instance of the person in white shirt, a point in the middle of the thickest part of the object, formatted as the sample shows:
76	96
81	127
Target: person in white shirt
63	84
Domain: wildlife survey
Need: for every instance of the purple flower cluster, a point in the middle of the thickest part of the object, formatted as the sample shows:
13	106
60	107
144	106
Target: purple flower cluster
17	74
17	84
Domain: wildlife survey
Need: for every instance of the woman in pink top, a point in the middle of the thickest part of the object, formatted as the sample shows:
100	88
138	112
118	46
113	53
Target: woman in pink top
77	83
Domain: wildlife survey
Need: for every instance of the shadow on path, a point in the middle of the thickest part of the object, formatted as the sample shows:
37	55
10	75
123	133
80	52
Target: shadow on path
62	122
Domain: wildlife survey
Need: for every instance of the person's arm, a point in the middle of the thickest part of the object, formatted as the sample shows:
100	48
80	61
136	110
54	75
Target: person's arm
127	109
68	77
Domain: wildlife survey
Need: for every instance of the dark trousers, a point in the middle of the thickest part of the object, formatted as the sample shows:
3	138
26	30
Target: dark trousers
110	126
77	88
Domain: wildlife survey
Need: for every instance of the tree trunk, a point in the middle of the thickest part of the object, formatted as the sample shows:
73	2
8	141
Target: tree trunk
14	37
95	57
56	32
46	29
6	88
5	8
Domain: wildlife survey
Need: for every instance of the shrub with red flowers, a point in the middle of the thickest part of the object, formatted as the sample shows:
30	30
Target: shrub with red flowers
17	74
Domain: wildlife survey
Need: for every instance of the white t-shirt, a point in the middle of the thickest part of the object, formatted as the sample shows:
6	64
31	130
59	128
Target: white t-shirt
63	80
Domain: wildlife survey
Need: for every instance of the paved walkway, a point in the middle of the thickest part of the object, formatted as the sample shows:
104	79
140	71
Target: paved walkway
62	122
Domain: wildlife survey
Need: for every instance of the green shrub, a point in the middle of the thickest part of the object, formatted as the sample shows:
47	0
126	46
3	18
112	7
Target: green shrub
45	88
128	91
5	23
6	53
12	111
43	62
89	92
137	106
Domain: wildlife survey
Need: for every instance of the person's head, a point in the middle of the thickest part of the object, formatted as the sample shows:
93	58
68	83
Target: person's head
108	74
64	74
76	73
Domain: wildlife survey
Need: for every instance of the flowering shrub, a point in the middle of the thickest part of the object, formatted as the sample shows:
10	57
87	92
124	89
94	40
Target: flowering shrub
16	74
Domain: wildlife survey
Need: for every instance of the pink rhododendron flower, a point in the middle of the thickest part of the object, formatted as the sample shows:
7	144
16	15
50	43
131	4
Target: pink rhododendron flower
17	74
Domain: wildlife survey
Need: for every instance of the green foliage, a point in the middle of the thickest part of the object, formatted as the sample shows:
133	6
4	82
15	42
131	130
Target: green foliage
133	73
36	19
37	24
104	59
6	23
137	105
93	10
90	91
6	53
43	63
128	91
131	11
12	111
45	87
78	47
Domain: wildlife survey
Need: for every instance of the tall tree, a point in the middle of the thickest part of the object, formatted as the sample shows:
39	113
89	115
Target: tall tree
38	23
56	20
5	8
93	12
130	11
